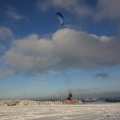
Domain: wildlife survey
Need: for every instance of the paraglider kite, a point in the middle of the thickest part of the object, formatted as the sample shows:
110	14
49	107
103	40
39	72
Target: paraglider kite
60	17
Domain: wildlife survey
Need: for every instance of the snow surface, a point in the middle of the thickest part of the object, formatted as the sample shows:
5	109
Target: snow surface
98	111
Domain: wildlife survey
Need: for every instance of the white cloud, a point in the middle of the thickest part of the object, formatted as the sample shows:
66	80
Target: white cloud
12	13
104	9
73	6
102	38
66	49
109	9
5	32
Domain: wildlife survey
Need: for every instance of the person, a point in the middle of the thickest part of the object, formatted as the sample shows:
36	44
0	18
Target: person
69	96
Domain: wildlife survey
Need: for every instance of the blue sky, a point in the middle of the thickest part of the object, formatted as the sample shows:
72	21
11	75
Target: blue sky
41	59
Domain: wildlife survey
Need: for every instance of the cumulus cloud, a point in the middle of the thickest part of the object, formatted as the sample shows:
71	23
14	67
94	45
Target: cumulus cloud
67	48
104	9
5	32
102	75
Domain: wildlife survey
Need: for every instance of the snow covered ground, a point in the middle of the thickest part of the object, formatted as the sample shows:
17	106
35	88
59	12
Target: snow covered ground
98	111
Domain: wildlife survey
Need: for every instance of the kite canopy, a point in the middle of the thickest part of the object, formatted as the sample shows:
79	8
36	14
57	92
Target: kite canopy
60	17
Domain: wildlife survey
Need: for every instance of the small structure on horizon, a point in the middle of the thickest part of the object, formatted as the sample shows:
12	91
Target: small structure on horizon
69	98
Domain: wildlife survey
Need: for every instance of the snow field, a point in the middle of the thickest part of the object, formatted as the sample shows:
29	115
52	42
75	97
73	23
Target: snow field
109	111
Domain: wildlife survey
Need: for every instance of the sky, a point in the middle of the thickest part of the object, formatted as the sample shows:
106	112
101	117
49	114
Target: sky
40	59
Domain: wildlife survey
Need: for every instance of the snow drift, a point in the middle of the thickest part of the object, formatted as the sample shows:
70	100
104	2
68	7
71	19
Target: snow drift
30	102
